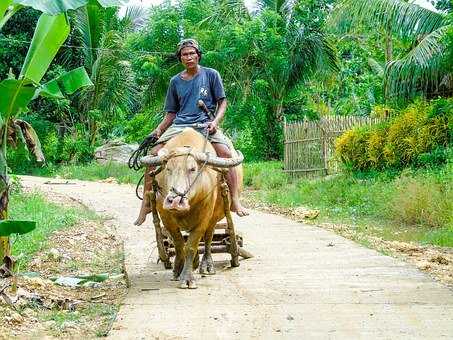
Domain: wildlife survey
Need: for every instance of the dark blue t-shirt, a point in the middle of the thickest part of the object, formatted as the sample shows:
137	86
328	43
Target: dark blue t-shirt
183	95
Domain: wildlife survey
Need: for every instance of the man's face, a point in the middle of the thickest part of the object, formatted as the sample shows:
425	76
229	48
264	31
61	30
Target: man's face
189	57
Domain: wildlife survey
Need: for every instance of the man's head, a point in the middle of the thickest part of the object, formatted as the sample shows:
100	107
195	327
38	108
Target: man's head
186	48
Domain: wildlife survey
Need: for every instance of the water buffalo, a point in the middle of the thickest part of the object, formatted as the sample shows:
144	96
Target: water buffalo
189	198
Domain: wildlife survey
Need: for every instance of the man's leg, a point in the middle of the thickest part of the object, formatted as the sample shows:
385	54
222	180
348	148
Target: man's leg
145	209
232	180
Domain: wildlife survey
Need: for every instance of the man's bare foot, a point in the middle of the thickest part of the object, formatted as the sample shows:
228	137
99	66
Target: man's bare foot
239	209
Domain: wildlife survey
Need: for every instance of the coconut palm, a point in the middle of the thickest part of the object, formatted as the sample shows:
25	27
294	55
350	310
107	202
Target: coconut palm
424	69
102	36
309	48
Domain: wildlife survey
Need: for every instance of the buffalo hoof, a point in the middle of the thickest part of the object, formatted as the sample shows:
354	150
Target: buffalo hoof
187	280
188	284
207	266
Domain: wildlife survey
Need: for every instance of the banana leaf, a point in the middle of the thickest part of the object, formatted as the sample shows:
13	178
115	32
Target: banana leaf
15	96
54	7
9	227
50	34
4	4
67	83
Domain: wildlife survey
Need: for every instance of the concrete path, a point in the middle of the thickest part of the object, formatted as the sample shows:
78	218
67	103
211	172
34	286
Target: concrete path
304	283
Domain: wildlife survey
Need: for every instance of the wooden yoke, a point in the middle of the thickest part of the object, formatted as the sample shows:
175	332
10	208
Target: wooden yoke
233	246
163	256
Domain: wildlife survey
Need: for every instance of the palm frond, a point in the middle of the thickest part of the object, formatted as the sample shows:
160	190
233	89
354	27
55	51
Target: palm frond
311	52
405	19
288	8
135	18
89	24
421	69
275	5
228	11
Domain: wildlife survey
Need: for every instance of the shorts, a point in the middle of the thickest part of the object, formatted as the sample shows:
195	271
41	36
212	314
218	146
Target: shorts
173	130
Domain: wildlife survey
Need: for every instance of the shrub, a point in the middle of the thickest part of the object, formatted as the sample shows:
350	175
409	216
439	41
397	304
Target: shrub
351	147
419	136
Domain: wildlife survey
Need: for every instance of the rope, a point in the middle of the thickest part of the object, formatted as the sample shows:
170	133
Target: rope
142	151
138	185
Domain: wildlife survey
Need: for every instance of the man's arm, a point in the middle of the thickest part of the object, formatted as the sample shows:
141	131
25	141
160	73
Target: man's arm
164	124
221	108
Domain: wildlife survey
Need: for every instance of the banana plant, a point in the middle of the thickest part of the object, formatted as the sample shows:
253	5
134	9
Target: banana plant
16	93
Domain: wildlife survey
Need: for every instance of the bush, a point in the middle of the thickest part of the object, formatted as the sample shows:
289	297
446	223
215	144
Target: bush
142	124
422	202
419	136
352	146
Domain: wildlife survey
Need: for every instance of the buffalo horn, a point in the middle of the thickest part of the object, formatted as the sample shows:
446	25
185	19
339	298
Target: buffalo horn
218	161
153	160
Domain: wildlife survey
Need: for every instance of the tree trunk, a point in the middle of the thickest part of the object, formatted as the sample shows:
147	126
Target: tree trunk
5	246
388	44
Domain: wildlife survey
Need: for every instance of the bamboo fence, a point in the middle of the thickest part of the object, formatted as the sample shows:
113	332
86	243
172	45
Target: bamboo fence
310	145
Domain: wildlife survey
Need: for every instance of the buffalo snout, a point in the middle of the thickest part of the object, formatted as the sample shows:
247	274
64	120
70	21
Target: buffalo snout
176	203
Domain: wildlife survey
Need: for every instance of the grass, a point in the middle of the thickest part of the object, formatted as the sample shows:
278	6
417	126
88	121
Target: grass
90	172
49	217
413	205
99	315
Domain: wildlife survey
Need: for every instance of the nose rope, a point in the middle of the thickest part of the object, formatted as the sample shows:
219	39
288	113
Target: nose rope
184	194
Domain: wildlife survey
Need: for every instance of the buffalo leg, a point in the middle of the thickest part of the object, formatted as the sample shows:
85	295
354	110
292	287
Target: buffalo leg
178	241
187	278
207	264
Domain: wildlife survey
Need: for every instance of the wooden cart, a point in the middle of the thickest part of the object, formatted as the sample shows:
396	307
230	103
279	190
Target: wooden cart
223	236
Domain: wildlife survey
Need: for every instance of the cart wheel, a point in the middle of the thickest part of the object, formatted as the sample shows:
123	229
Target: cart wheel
234	261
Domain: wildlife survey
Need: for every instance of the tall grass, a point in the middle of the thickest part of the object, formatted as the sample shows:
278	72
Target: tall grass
411	205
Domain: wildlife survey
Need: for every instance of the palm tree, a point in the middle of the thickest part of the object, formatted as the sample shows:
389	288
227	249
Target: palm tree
102	36
424	69
301	50
309	50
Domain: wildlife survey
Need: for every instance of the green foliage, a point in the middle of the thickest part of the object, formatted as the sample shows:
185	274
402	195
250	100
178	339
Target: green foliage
423	201
414	205
142	124
421	70
48	216
418	136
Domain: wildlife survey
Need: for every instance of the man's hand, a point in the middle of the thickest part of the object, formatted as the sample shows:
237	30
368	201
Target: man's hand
212	127
153	136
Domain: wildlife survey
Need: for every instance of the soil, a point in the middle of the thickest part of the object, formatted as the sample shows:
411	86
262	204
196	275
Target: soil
41	308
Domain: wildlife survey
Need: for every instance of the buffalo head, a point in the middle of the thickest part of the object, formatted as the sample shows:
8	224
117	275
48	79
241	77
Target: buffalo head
181	178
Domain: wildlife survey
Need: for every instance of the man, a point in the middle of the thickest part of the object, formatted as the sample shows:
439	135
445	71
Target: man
192	96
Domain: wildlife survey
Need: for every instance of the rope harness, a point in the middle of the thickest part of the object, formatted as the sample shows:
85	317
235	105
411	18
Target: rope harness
200	170
149	142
